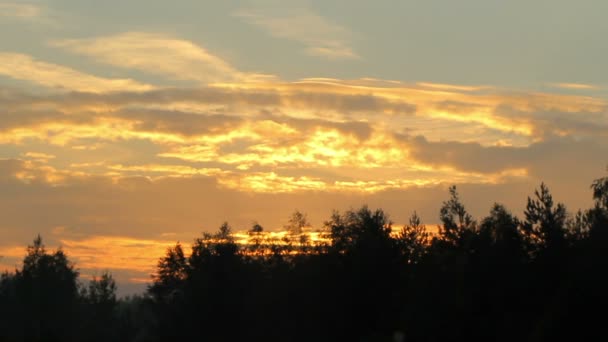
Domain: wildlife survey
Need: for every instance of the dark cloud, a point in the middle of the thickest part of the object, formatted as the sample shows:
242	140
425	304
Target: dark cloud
465	156
567	160
350	103
343	103
11	118
178	122
547	123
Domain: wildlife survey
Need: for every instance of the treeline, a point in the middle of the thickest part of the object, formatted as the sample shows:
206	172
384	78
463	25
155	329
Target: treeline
502	278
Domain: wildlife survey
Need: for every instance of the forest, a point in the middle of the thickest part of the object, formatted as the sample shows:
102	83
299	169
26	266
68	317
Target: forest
540	277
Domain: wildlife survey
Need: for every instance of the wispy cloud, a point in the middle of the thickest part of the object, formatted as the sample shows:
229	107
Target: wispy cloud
158	54
24	67
575	86
20	10
321	37
38	156
30	13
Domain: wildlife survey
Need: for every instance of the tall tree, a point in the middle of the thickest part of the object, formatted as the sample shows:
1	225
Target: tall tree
545	223
502	229
366	261
47	291
170	274
457	222
99	299
297	222
413	239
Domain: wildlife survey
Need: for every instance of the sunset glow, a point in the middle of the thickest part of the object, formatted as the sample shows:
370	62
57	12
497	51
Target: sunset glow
133	132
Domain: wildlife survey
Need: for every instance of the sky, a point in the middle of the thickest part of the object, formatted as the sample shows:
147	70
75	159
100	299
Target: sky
126	126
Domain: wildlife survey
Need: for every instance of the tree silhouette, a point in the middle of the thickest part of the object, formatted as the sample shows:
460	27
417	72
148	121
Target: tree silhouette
504	279
367	259
47	292
545	223
297	221
170	275
501	228
255	234
413	239
98	315
600	192
458	224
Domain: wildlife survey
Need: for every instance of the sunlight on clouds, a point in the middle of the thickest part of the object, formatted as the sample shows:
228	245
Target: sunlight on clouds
165	170
105	129
38	171
451	87
350	179
24	67
273	183
487	119
261	134
289	147
470	105
576	86
39	157
363	100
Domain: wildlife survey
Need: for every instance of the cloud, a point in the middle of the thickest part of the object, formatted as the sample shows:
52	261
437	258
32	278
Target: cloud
312	135
31	14
510	114
575	86
24	67
451	87
158	54
311	123
321	37
562	160
38	156
547	122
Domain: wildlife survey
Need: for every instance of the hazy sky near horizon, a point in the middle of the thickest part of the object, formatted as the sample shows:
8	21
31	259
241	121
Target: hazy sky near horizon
128	125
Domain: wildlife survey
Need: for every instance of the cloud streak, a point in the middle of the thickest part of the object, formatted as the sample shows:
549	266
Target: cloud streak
321	37
575	86
24	67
